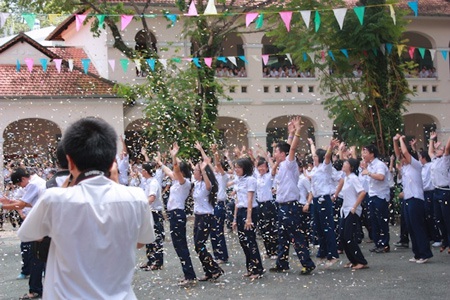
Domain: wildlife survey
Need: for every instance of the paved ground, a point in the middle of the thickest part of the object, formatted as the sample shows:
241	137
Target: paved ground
390	276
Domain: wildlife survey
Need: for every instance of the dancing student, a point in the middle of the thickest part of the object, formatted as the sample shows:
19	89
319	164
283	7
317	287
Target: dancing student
246	216
304	186
414	201
353	194
179	192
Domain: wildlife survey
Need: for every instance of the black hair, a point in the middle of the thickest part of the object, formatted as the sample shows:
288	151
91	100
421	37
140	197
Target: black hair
150	168
338	164
262	161
212	197
424	154
61	157
246	165
354	165
17	175
321	155
372	149
185	169
91	144
284	147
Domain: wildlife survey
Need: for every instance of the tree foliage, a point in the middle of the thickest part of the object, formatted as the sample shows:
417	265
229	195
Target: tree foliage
367	109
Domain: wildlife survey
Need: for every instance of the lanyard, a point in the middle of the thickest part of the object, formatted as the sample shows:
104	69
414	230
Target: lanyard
88	174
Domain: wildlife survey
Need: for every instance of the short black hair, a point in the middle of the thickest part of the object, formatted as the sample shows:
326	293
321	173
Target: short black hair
372	149
424	154
150	168
91	144
246	165
354	165
262	161
61	157
338	164
284	147
17	175
321	155
185	169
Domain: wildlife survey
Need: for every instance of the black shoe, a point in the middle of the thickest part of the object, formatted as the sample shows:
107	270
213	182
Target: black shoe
384	249
307	270
401	245
278	270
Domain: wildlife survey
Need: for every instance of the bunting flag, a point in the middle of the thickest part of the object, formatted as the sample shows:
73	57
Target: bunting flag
29	62
383	49
53	18
3	17
29	19
172	18
289	57
151	63
112	64
411	52
232	59
422	52
414	5
101	20
17	65
222	59
79	19
317	21
163	61
400	49
70	64
265	59
331	55
208	61
124	63
58	62
306	16
444	54
345	52
125	20
44	64
137	63
359	11
210	8
249	18
339	14
322	55
375	51
242	57
389	47
432	53
305	56
192	10
312	55
391	9
286	16
259	22
85	62
196	62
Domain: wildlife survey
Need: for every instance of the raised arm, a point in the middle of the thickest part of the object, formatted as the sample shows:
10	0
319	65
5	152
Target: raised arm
177	175
327	158
164	168
297	122
433	137
144	153
404	149
312	146
397	150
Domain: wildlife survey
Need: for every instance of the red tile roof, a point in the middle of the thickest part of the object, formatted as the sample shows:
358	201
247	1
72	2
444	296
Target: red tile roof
77	54
51	83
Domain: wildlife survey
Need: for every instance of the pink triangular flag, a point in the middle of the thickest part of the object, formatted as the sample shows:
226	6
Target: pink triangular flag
250	17
125	20
79	21
265	58
189	59
112	64
192	10
286	16
411	52
29	62
58	62
208	61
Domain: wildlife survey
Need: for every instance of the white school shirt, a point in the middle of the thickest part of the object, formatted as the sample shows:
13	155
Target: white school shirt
304	187
350	190
95	227
264	185
322	180
440	171
201	199
243	185
379	188
122	166
222	180
412	180
154	188
287	178
31	193
426	177
178	194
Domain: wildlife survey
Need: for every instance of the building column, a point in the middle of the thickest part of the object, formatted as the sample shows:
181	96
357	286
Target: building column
323	138
2	180
255	138
254	68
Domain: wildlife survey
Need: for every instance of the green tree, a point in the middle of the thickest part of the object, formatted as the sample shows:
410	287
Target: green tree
366	109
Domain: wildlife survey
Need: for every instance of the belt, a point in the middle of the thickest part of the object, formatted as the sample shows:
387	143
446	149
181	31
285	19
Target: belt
292	202
443	187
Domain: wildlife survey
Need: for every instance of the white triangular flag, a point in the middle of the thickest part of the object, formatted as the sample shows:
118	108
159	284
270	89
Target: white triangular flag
340	13
3	17
306	15
391	8
163	61
137	62
383	49
312	55
289	57
232	59
210	8
70	64
432	53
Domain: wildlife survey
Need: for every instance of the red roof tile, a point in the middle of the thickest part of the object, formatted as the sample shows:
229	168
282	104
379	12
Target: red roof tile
51	83
76	54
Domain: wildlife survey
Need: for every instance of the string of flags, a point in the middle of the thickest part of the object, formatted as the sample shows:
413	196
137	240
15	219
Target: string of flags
256	17
208	61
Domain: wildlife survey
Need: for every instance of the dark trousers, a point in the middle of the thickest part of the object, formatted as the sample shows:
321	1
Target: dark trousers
177	219
337	204
218	242
155	251
267	225
349	241
415	221
365	216
290	228
432	229
247	239
202	230
379	216
37	267
25	250
404	234
442	213
324	222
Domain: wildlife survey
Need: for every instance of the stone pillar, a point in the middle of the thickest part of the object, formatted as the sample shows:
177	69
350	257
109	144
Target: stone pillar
254	68
323	138
256	138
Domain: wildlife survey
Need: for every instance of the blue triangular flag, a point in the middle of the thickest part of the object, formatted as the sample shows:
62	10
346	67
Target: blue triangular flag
345	52
17	65
389	47
172	18
222	59
444	54
414	5
151	63
44	63
331	55
305	56
243	58
85	62
195	60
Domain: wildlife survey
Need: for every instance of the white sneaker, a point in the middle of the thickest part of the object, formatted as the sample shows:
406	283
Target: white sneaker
413	260
436	244
422	260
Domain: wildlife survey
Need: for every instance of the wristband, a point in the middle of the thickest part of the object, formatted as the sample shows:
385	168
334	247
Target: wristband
297	134
290	137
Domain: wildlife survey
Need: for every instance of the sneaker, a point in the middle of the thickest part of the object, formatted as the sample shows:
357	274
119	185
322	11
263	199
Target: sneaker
278	270
401	245
436	244
21	276
307	270
413	260
422	260
384	249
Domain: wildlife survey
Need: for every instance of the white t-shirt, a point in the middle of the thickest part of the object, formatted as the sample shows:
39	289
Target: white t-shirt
222	180
426	177
243	185
264	187
440	171
304	186
122	165
412	180
350	190
322	180
379	188
153	188
201	199
287	178
31	193
95	227
178	194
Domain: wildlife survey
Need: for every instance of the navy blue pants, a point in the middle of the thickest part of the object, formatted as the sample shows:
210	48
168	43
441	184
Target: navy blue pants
442	213
25	250
202	230
415	221
290	228
324	222
247	239
177	219
404	234
379	216
37	267
218	242
267	225
155	251
349	236
432	229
